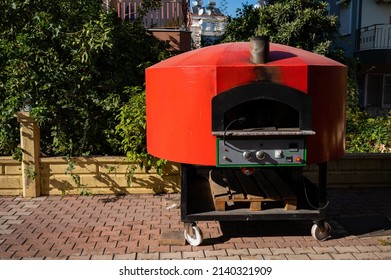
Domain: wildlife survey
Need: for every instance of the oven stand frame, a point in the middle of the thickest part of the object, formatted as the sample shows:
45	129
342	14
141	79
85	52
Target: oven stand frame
197	205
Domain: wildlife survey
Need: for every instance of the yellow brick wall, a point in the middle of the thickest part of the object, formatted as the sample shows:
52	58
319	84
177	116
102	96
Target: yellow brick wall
98	175
10	176
103	175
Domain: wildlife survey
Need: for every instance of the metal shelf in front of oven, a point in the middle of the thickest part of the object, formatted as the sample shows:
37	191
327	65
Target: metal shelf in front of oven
259	132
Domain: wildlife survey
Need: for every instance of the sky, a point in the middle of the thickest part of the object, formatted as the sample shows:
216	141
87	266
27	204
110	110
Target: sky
233	5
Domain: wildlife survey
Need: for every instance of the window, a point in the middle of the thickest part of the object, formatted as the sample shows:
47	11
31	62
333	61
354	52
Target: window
378	90
345	18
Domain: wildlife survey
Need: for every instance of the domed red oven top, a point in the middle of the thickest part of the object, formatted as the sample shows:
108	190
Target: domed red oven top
195	99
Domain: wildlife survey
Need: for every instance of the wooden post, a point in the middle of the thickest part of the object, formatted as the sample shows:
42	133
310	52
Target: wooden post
30	145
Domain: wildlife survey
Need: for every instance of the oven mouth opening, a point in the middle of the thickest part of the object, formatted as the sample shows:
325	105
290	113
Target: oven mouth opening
262	114
261	109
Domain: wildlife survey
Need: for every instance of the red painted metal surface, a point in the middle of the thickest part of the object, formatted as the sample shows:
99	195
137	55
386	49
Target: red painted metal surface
180	90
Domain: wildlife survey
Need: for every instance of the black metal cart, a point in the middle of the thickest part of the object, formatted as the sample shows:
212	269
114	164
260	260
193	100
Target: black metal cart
198	202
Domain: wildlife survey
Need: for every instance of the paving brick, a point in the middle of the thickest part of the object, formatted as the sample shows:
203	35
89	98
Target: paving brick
6	231
384	248
98	239
320	256
67	252
350	242
24	254
85	246
189	255
383	255
297	257
246	245
176	248
19	248
242	252
281	251
345	256
70	234
370	241
324	250
161	249
274	239
92	251
137	249
294	238
286	244
274	257
222	246
4	227
236	257
87	257
263	251
216	253
121	237
327	243
125	256
47	253
147	256
6	255
270	244
170	256
367	249
102	257
310	243
348	249
301	250
255	257
13	222
366	256
21	212
116	250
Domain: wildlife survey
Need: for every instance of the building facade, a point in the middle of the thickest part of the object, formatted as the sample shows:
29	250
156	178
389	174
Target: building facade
169	23
365	27
208	23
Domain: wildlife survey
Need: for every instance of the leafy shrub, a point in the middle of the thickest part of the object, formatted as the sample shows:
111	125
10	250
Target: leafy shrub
303	24
132	129
69	61
365	133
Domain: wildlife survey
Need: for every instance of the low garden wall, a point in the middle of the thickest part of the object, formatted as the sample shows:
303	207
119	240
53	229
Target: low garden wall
89	175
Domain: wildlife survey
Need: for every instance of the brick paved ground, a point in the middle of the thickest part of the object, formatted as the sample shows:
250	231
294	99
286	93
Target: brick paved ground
130	227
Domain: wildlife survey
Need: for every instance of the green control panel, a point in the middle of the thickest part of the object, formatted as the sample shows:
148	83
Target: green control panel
261	152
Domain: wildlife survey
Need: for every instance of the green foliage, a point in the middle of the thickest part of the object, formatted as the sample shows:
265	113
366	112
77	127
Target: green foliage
365	133
303	24
132	129
69	61
82	188
243	26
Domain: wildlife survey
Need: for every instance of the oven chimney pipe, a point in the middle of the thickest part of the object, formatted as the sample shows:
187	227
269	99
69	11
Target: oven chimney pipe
259	49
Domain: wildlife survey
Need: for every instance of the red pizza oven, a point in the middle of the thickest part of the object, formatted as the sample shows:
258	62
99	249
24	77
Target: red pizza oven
215	107
242	119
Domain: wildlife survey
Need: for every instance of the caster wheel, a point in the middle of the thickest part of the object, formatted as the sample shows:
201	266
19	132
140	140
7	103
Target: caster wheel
319	233
195	237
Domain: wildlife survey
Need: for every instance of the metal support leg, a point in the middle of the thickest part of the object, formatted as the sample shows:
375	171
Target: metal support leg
322	185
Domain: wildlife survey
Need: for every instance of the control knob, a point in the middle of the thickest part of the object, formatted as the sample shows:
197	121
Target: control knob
260	155
247	155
